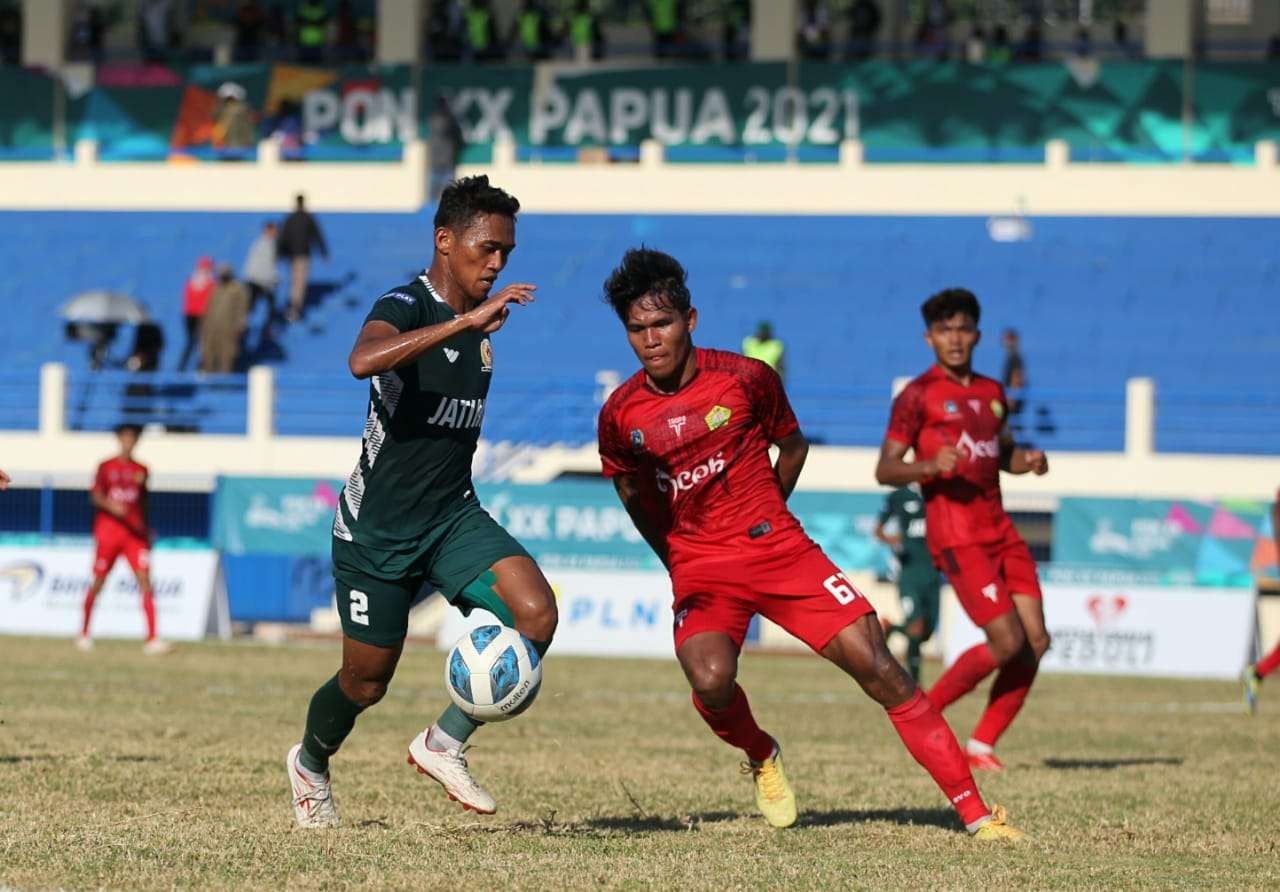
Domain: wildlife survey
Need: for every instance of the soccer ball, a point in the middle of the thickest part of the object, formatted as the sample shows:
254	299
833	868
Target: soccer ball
493	673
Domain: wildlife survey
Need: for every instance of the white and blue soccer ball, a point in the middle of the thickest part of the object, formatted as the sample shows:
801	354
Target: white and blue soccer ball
493	673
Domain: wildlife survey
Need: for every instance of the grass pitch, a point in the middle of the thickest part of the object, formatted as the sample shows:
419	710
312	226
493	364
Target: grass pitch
119	771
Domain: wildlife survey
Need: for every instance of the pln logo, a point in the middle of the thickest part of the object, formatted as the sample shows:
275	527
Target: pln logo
1104	610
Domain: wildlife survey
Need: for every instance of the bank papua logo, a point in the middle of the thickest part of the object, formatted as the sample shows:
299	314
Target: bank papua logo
291	512
1105	609
19	579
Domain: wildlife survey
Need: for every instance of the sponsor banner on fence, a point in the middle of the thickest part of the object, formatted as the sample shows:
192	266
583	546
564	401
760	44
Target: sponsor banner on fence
617	614
564	524
1182	542
42	591
1102	110
1187	632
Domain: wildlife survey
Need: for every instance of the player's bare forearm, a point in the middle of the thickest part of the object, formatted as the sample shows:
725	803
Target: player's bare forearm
793	450
629	495
382	347
893	469
1025	461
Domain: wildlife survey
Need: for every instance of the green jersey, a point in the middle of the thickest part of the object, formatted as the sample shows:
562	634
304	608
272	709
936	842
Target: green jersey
421	430
904	509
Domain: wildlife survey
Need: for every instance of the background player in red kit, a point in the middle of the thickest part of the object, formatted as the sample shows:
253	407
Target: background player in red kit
119	497
1253	675
686	440
954	420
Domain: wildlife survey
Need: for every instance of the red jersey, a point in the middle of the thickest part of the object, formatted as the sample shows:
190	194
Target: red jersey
963	507
122	480
701	454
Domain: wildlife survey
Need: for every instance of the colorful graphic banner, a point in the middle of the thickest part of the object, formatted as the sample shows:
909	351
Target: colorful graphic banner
926	111
1180	542
566	524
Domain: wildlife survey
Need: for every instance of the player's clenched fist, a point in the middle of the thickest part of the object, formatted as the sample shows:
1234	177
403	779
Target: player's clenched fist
1037	461
489	315
946	459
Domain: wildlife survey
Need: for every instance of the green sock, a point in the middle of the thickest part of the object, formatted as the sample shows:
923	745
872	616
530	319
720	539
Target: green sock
330	718
913	656
457	724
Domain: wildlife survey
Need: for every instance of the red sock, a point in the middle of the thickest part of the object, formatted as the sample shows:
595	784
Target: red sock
1269	663
929	739
962	676
89	597
1008	693
149	611
737	727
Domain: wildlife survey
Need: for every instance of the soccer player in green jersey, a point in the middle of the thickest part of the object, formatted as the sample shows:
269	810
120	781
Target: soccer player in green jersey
408	516
901	527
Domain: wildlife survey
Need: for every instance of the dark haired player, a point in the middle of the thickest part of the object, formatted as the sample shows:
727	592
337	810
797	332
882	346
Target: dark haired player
901	526
408	514
119	497
686	440
955	421
1253	675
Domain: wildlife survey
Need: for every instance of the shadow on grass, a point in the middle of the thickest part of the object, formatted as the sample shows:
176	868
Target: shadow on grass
927	817
658	823
1111	764
15	760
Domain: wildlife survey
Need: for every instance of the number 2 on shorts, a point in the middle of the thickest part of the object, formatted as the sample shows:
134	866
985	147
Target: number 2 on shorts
841	588
360	608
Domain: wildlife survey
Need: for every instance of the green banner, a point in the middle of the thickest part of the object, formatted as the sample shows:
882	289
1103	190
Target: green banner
921	111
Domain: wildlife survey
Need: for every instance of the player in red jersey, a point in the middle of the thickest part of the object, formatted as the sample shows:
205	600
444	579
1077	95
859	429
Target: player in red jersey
119	497
955	421
1253	675
686	441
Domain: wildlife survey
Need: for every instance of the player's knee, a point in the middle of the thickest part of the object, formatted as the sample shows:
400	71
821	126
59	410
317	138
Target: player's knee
537	617
1008	644
1039	643
712	681
365	692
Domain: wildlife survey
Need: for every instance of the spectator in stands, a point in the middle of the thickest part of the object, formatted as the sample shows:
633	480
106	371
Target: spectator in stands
813	31
251	26
260	272
1013	375
444	145
1124	47
234	133
864	24
532	31
586	36
278	30
311	20
346	34
765	347
10	33
155	28
1032	47
666	23
87	31
932	37
224	324
1001	51
737	30
1082	47
1273	47
148	343
195	300
482	32
299	236
444	31
975	45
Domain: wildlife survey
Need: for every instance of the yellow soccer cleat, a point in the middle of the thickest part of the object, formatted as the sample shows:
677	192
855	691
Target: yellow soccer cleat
773	794
998	827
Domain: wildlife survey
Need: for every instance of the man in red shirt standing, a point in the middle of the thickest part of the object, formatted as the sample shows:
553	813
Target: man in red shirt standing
119	498
686	441
955	421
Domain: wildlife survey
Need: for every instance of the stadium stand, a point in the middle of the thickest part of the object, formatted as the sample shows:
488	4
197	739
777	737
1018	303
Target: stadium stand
1184	301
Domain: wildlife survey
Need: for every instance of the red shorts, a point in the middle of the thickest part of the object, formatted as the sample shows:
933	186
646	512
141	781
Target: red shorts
795	586
986	576
136	550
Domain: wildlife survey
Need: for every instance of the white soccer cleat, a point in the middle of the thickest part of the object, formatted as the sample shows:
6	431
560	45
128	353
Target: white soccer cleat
157	648
449	769
312	802
84	644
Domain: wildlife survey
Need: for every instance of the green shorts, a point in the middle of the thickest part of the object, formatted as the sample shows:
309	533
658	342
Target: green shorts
918	593
375	588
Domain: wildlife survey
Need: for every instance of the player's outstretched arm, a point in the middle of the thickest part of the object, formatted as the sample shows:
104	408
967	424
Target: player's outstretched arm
1021	461
381	347
793	449
629	495
893	469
